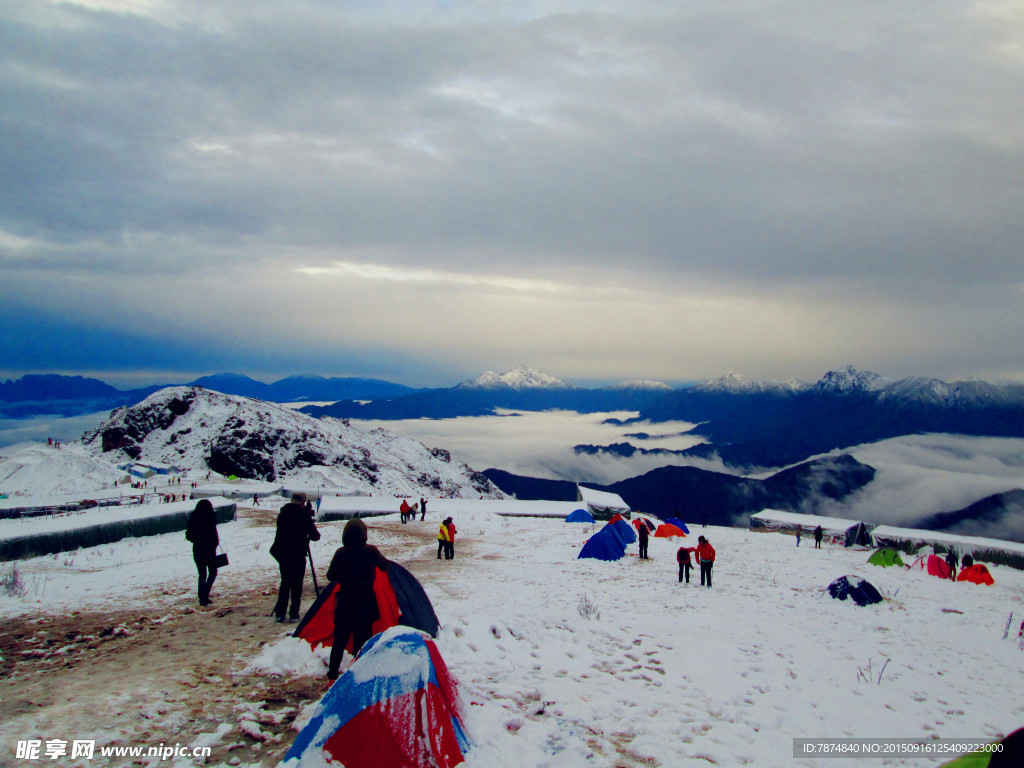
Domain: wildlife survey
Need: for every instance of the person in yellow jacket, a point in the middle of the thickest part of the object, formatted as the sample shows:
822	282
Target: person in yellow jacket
443	539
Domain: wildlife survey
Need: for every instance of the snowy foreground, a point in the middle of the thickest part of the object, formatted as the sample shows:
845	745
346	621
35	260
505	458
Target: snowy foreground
566	663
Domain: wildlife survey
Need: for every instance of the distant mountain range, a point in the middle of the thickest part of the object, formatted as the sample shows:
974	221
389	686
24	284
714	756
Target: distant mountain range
70	395
775	424
745	423
521	388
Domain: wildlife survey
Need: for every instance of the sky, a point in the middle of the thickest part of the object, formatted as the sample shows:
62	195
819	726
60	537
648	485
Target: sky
421	191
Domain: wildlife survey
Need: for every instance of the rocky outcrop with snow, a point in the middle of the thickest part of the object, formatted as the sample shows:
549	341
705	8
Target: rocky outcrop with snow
199	428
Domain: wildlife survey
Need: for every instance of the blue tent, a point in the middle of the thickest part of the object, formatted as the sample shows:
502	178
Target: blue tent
606	544
679	524
854	588
579	516
624	531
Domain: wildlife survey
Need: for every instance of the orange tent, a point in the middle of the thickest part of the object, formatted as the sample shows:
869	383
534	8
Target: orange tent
667	530
976	574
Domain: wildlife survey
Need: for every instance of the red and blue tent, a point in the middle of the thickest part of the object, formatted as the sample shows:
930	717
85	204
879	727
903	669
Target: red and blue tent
668	530
678	524
400	599
396	706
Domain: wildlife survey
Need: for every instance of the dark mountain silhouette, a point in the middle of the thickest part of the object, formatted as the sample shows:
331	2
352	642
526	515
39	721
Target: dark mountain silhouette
70	395
715	498
999	516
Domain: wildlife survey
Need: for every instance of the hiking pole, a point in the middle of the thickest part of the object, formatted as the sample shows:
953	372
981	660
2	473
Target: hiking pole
312	568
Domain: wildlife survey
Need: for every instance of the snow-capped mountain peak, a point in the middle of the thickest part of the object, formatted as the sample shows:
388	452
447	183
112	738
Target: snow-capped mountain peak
738	384
193	427
644	385
519	378
848	379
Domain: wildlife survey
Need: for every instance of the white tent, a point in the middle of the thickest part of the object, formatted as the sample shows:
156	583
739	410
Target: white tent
845	532
993	551
602	504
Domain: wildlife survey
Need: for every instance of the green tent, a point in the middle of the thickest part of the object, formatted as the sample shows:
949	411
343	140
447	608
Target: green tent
886	557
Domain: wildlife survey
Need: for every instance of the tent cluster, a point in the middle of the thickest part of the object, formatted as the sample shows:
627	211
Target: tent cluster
396	705
934	565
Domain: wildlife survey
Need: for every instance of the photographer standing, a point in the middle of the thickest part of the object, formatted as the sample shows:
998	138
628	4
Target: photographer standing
295	529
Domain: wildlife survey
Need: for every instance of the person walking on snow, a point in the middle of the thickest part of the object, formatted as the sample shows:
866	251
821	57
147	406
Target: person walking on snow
683	558
642	536
295	529
354	567
443	537
818	535
405	509
201	530
706	558
423	509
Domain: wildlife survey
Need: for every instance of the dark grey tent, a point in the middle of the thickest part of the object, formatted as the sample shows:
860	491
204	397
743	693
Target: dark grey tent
854	588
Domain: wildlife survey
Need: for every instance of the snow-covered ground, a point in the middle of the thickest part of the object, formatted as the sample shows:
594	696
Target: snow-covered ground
564	662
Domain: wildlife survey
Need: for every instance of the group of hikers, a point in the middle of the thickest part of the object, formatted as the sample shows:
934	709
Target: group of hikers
353	567
409	512
818	536
704	554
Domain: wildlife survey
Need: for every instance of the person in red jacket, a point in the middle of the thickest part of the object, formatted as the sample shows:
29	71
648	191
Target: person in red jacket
683	558
706	558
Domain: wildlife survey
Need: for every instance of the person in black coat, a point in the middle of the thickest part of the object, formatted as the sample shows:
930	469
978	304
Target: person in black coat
295	529
952	561
354	567
643	535
201	530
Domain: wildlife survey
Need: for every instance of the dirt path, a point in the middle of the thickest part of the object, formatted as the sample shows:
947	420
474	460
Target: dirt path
153	676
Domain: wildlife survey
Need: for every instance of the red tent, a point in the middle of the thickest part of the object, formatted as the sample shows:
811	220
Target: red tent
933	565
667	530
976	574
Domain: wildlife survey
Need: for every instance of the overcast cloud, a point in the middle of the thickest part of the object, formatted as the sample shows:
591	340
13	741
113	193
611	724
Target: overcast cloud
420	191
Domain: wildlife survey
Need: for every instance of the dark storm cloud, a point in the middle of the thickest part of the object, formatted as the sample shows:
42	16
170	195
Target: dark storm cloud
757	159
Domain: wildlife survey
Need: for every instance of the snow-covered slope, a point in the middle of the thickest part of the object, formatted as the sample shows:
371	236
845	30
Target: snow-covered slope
561	662
199	428
519	378
46	470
